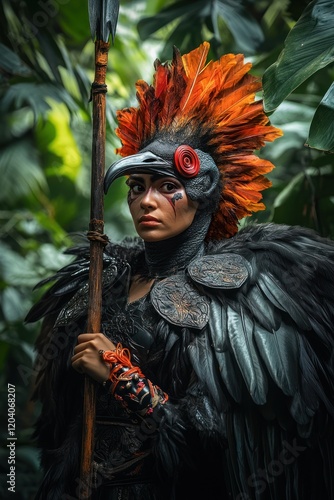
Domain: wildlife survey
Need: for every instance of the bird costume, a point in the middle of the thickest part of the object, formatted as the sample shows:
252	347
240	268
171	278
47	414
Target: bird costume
222	380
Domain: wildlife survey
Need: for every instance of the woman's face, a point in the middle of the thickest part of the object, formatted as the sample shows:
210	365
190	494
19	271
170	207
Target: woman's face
159	206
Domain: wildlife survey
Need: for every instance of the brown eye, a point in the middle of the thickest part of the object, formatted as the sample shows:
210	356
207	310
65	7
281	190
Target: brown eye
169	187
135	187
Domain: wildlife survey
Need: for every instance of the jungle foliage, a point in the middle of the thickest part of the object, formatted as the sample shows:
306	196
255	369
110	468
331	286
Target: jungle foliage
46	69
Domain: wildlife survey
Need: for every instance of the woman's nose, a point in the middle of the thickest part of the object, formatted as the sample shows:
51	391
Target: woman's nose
149	199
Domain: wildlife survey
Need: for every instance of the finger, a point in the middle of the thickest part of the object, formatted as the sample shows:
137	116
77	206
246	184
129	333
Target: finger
94	338
76	357
81	347
91	365
88	340
96	341
86	337
76	364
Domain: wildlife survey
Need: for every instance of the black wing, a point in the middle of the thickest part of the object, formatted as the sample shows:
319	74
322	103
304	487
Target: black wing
63	308
271	345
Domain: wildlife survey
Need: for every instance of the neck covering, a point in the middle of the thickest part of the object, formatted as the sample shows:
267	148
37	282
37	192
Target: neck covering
170	256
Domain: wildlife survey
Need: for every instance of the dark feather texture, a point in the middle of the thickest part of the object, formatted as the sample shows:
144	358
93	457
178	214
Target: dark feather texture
255	386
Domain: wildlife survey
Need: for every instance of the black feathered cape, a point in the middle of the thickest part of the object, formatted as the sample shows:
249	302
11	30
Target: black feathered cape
242	341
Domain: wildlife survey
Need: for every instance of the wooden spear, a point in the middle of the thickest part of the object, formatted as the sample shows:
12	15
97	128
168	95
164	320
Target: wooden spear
103	16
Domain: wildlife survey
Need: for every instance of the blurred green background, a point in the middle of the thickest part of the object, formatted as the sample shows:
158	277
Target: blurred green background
46	69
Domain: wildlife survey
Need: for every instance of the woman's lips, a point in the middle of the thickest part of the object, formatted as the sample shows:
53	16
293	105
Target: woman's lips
148	220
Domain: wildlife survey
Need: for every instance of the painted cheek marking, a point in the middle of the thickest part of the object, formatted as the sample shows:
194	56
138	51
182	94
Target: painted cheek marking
130	200
171	202
177	196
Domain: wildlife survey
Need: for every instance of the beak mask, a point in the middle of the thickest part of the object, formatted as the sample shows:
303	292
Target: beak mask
195	169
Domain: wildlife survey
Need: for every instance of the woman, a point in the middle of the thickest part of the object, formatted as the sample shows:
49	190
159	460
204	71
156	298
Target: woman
215	360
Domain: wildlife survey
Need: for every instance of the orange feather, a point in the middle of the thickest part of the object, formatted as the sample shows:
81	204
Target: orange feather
215	101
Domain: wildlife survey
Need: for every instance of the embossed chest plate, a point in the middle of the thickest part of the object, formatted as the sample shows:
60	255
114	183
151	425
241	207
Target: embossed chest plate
180	303
227	270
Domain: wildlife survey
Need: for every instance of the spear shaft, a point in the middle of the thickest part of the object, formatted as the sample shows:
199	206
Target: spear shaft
97	240
103	16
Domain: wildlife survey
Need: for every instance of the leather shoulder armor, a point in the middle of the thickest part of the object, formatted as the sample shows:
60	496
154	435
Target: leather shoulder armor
177	298
225	270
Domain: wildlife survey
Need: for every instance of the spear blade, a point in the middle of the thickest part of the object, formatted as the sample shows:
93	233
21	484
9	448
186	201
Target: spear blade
103	17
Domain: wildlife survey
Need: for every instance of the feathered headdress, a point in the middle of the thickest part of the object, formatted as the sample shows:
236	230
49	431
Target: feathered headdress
210	106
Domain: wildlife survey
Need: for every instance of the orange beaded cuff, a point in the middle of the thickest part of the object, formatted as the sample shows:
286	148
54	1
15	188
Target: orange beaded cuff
129	385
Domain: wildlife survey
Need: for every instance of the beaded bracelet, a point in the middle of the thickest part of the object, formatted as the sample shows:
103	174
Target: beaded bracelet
129	385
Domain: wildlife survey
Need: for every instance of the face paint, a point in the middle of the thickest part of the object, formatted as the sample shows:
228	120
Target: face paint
129	198
177	196
152	203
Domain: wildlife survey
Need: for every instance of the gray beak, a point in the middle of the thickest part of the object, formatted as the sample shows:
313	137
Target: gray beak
143	163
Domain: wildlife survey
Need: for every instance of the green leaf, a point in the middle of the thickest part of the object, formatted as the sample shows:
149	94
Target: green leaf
307	200
149	25
293	118
16	270
20	172
36	96
183	37
51	258
74	20
52	54
55	139
11	63
51	225
245	29
321	135
13	307
308	48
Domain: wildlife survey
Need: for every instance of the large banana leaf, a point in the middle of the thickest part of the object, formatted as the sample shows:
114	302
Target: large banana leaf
308	48
307	200
321	135
193	18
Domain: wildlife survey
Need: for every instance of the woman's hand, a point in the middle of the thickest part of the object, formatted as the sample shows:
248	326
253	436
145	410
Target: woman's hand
88	360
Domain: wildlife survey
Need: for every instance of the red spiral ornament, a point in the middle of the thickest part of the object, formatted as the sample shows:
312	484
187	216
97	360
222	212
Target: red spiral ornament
186	161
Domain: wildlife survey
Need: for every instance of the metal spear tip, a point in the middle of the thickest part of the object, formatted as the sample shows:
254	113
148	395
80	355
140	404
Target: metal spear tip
103	17
143	163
